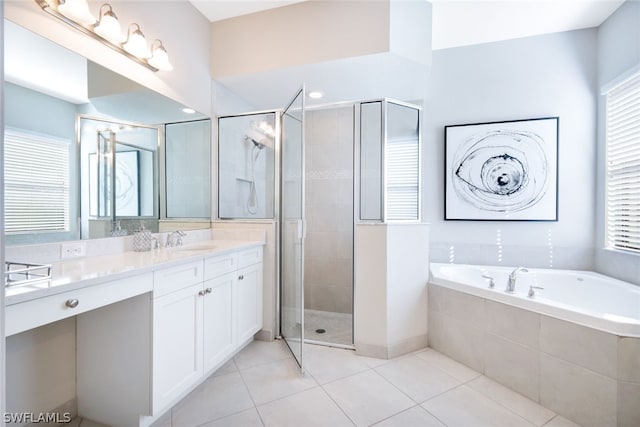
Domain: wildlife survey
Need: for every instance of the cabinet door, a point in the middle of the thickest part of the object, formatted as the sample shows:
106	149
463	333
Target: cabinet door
249	301
219	332
177	344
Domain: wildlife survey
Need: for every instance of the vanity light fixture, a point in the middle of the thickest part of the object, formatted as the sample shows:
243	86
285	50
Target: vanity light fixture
107	30
77	10
136	44
159	58
108	26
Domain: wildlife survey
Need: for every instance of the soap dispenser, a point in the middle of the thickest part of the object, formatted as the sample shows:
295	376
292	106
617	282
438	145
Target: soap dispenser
142	239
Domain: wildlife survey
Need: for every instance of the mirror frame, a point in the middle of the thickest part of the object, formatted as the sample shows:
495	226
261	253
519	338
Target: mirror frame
157	176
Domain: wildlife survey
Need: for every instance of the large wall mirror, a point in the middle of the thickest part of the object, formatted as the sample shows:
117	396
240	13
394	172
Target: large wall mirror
90	153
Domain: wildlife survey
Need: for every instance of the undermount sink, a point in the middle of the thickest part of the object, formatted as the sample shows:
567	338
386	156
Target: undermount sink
197	247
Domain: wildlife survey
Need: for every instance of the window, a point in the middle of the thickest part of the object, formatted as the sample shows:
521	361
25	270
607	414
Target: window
623	165
36	169
403	175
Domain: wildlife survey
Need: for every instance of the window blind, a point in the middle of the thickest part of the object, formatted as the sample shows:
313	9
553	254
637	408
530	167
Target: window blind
623	165
36	169
403	174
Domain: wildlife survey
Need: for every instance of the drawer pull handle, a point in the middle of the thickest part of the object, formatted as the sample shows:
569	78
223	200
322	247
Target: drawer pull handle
241	277
208	290
201	293
72	303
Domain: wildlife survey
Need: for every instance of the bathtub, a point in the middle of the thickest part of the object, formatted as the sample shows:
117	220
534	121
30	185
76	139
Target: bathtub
574	347
582	297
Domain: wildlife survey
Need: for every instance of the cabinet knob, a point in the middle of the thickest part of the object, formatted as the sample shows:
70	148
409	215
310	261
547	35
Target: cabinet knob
72	303
208	290
241	277
201	293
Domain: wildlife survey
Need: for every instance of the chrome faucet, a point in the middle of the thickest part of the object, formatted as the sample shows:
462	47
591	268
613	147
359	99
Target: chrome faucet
175	238
511	285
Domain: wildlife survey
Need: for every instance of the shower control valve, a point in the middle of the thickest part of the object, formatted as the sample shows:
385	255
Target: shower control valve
492	284
532	292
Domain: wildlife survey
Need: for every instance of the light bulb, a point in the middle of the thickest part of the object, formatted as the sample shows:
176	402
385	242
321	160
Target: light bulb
136	44
108	26
78	11
160	58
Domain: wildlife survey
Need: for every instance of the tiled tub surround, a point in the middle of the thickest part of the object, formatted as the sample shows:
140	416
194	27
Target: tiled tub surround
585	374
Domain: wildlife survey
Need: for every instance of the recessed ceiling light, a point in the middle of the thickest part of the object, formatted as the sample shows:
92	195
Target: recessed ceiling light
315	94
188	110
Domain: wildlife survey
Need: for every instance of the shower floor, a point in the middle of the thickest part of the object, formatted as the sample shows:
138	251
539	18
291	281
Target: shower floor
338	327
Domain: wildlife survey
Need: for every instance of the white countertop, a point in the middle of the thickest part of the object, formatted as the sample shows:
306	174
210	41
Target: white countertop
83	272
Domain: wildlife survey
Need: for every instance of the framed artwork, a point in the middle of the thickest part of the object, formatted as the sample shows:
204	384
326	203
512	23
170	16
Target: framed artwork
502	171
127	186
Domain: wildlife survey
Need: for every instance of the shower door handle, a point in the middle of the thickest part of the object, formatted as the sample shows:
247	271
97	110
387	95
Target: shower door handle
302	229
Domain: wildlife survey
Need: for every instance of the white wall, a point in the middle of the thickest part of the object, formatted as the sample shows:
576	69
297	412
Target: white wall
550	75
301	33
618	51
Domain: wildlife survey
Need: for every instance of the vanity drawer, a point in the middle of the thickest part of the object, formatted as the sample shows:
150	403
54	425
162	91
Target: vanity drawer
172	279
31	314
250	257
219	265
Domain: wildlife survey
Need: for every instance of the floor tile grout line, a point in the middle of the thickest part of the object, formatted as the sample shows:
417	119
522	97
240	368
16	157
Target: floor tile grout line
211	377
255	407
284	396
368	368
509	409
338	405
447	372
401	412
435	416
497	403
289	356
419	403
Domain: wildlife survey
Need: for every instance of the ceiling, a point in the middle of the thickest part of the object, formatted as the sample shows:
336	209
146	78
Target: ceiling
462	23
455	23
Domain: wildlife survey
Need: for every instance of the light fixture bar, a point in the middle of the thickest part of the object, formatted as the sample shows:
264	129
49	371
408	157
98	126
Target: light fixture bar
53	12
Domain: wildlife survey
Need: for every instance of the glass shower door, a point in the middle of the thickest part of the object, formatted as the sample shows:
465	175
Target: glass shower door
292	226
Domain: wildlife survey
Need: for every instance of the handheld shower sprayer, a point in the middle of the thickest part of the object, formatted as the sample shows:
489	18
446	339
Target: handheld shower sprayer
261	136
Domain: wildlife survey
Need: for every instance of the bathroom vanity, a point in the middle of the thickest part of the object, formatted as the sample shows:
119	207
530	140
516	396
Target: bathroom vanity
150	326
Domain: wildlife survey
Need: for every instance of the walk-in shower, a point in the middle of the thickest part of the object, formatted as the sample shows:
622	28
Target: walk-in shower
334	167
329	206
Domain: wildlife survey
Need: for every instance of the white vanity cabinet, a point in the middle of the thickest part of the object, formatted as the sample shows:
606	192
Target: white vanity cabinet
177	331
218	320
197	317
232	304
249	296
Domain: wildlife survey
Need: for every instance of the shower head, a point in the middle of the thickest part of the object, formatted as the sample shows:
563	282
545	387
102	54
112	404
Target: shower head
258	139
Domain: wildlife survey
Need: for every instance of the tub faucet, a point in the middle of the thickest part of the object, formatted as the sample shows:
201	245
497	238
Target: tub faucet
511	285
175	238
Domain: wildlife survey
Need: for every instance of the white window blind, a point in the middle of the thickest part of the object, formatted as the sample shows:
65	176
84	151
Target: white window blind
623	165
36	179
403	175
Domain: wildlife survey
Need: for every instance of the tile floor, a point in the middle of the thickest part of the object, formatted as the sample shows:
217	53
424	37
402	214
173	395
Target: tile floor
262	386
338	326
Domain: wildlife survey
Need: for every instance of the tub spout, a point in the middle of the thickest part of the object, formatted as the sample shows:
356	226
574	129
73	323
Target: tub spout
511	284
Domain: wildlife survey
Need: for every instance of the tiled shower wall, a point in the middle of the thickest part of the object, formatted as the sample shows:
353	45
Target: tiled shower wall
329	210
